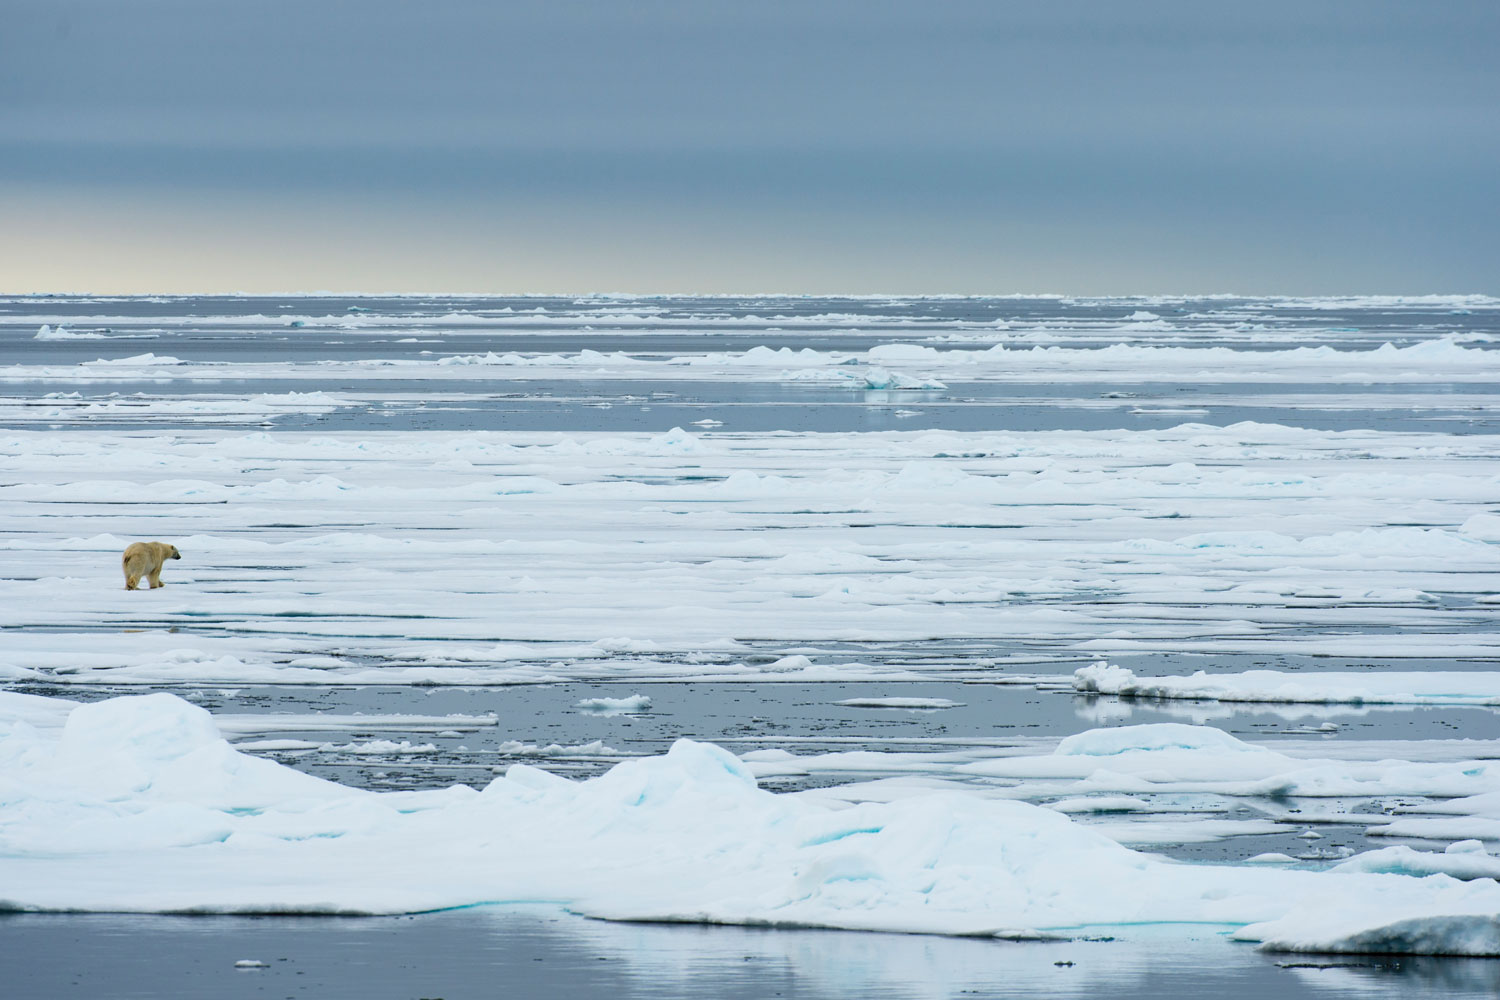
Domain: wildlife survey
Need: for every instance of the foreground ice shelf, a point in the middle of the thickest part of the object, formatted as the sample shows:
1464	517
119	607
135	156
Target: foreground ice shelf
137	804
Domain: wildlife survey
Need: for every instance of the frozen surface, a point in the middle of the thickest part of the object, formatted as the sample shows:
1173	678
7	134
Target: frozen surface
898	703
1368	687
138	804
426	538
1244	477
634	703
502	558
1170	783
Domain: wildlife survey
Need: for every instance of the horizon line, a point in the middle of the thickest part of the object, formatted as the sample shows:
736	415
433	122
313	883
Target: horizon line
338	293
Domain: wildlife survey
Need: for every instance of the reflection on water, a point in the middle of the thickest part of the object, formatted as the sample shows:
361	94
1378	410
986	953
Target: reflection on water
537	952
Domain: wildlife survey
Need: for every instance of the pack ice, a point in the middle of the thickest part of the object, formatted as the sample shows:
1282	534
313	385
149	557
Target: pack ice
1397	687
138	804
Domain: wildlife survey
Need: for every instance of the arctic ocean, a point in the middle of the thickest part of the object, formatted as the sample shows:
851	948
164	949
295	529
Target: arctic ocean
879	646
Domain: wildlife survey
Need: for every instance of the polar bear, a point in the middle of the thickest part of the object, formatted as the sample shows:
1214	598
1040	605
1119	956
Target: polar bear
145	559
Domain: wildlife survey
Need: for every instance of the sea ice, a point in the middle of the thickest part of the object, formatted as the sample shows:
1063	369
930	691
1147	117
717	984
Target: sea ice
137	804
423	558
1465	859
680	539
1434	687
63	333
899	703
612	706
1176	759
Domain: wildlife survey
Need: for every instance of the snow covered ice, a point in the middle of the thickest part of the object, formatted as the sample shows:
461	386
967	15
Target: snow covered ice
1393	687
1208	554
136	803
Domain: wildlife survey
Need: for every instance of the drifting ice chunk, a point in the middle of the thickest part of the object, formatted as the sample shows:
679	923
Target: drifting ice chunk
615	706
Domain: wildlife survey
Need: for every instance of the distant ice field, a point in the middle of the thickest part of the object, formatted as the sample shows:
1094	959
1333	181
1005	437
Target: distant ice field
535	556
862	545
462	490
753	364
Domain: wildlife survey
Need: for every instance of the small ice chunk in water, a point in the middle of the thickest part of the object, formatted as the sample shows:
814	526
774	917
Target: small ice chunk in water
615	706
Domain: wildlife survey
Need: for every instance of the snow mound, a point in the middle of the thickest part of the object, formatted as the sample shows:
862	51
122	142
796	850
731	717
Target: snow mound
1485	527
1152	737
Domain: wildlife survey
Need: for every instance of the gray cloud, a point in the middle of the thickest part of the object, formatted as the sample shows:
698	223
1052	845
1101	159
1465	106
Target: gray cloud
1188	146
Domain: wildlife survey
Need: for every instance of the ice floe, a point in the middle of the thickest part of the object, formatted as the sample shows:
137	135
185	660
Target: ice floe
896	702
138	804
921	366
612	706
1169	758
1435	687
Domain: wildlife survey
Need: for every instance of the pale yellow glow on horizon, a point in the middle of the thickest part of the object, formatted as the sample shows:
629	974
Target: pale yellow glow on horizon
134	241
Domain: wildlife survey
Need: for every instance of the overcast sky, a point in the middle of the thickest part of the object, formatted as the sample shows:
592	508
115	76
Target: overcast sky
1096	146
